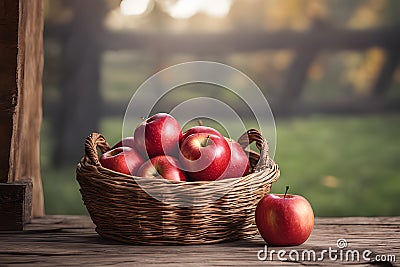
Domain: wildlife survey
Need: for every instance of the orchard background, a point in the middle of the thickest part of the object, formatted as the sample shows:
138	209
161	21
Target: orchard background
329	69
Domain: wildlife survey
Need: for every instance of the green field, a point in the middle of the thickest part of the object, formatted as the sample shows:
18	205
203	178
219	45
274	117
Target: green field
344	165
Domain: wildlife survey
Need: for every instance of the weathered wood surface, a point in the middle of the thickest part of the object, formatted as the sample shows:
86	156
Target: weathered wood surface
21	65
25	149
71	240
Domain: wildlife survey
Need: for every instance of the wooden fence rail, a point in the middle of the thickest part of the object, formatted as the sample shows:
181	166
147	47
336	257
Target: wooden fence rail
250	40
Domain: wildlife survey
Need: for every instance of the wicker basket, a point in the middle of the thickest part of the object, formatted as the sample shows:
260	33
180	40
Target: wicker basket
122	209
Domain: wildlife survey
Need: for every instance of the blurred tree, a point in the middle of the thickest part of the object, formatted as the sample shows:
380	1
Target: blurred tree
79	108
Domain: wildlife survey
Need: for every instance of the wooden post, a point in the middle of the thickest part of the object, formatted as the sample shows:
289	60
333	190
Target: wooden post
295	78
21	65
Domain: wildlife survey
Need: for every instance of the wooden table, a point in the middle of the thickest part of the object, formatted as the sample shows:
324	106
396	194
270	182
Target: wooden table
71	240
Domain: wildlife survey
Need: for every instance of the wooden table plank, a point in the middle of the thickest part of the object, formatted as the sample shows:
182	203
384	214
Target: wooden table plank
71	240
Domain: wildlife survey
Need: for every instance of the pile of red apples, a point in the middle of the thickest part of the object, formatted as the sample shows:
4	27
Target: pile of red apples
159	149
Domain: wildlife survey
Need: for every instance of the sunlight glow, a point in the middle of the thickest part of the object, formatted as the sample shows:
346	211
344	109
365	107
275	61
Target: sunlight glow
183	9
134	7
218	8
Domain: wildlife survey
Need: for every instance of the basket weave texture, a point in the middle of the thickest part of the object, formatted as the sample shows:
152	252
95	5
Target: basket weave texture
122	209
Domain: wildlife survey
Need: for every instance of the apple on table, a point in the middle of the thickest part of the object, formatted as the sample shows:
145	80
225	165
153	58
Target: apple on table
284	219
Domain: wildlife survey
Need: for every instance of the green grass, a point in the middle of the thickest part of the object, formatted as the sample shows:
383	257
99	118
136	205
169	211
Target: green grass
61	191
344	165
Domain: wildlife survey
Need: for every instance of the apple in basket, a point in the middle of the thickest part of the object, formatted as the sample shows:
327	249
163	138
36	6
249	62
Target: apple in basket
239	163
199	129
284	220
157	135
166	167
204	156
127	141
122	159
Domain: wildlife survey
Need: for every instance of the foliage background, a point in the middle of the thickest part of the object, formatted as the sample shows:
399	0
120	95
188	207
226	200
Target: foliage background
344	163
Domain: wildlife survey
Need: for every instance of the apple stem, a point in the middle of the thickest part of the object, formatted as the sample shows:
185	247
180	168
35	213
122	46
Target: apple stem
200	122
287	189
205	143
143	119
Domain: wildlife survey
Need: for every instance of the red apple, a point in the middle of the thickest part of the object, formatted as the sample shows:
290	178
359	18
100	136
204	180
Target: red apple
122	159
239	163
158	135
199	129
205	156
284	220
127	141
165	166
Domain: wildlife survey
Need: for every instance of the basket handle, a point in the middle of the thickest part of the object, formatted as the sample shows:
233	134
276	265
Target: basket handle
254	135
92	142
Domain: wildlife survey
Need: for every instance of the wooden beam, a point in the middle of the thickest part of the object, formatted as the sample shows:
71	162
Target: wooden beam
21	65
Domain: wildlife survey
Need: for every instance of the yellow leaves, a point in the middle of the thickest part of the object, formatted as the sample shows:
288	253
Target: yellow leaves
363	69
316	71
330	181
367	15
285	14
396	75
281	59
317	9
